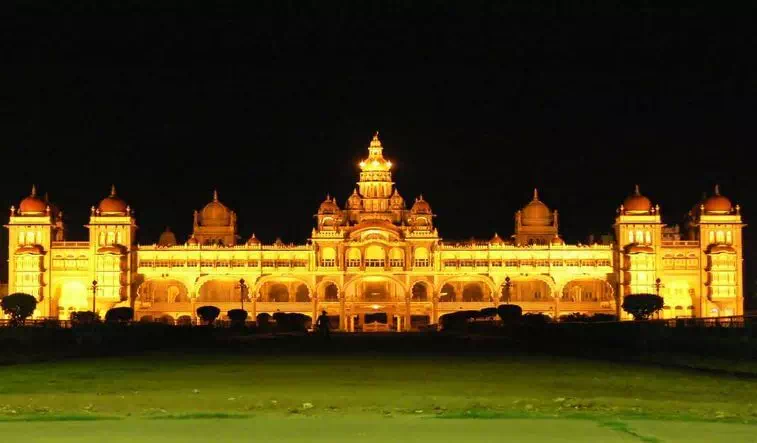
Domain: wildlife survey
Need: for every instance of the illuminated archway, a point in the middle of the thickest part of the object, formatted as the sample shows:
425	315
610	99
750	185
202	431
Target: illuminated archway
163	291
420	292
447	294
587	290
302	294
219	291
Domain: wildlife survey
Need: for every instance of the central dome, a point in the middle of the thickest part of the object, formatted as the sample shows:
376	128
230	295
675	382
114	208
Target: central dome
637	203
215	213
717	204
32	204
112	204
536	213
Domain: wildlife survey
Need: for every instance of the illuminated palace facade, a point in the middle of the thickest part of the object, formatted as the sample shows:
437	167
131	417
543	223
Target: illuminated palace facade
377	254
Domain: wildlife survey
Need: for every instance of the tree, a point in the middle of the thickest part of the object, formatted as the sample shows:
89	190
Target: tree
208	314
19	306
509	313
122	314
642	306
237	316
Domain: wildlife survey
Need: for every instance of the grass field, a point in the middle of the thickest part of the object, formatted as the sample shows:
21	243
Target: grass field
370	397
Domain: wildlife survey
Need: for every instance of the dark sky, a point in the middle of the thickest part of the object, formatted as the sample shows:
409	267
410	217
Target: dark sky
273	104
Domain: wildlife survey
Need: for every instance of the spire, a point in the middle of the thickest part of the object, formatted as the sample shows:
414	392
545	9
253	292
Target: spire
636	190
47	198
536	194
717	189
112	190
34	190
215	195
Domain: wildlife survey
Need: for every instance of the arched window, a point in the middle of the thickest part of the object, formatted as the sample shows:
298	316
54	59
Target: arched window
30	238
120	238
712	237
111	237
630	236
639	236
648	237
728	237
21	238
720	237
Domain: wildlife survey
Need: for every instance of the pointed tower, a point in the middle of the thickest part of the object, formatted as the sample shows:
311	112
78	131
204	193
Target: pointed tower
375	185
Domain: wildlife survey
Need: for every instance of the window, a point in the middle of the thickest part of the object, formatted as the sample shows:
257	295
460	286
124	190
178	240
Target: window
325	262
21	237
648	237
630	236
353	262
397	262
728	237
374	263
712	237
720	237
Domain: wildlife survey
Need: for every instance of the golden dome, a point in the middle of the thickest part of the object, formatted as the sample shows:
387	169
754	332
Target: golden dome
496	240
717	204
421	206
32	204
637	203
328	206
253	241
112	204
215	213
167	238
375	161
354	201
557	241
396	201
536	213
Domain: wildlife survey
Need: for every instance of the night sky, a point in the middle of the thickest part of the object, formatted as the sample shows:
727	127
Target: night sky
274	104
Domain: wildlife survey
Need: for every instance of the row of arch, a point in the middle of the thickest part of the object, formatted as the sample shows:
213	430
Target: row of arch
374	290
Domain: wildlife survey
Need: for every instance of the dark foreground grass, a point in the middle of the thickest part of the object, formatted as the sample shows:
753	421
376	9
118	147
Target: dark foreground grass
427	392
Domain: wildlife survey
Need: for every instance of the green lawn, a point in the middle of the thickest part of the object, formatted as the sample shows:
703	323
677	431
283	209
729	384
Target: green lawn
533	398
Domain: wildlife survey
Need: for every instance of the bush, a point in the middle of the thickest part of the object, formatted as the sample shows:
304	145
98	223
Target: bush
509	313
19	306
84	317
574	317
489	312
603	317
263	322
208	314
642	306
535	319
457	321
237	316
290	322
123	314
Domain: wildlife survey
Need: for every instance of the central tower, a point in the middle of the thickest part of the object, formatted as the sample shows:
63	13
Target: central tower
375	185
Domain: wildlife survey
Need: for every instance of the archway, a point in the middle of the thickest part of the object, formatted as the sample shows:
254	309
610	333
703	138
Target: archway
302	294
474	292
375	257
219	291
447	294
586	290
73	297
420	292
276	292
527	290
330	292
677	300
163	291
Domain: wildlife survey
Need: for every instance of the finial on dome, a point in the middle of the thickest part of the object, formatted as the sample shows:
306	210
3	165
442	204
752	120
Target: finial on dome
536	194
717	189
636	190
13	210
112	190
738	209
215	195
34	190
375	136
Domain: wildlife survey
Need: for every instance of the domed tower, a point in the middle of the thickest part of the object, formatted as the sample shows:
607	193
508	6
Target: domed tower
638	233
535	224
215	224
32	228
719	227
329	215
353	207
421	217
167	238
112	241
375	185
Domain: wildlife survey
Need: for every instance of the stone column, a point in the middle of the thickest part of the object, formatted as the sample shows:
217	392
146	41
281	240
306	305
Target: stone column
407	312
342	313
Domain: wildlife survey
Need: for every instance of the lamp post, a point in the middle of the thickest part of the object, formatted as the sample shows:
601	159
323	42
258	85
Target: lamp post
94	295
657	285
242	287
507	290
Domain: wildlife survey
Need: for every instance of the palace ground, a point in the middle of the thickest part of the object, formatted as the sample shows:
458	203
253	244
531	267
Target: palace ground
225	396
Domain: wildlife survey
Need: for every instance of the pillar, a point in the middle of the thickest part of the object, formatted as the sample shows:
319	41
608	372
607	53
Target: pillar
342	314
407	312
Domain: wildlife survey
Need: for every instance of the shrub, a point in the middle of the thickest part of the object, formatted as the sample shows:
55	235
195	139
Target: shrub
535	319
237	316
574	317
290	322
457	321
489	312
642	306
603	317
509	313
120	315
208	314
84	317
263	322
19	306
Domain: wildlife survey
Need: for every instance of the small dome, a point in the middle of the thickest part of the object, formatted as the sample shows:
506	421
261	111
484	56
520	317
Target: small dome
421	206
536	213
167	238
112	204
328	206
32	204
496	240
557	241
396	201
253	241
354	201
717	204
215	213
637	203
192	241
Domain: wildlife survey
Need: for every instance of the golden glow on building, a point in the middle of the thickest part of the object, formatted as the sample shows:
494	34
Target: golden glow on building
377	256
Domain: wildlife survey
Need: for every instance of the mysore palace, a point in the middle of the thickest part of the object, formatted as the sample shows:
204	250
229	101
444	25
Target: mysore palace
377	254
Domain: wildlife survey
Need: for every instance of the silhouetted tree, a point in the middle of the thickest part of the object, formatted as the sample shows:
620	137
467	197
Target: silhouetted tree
19	306
642	306
237	316
122	314
84	317
509	313
208	314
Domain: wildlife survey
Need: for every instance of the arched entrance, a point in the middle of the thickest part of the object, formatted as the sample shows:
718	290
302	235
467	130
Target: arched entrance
375	303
